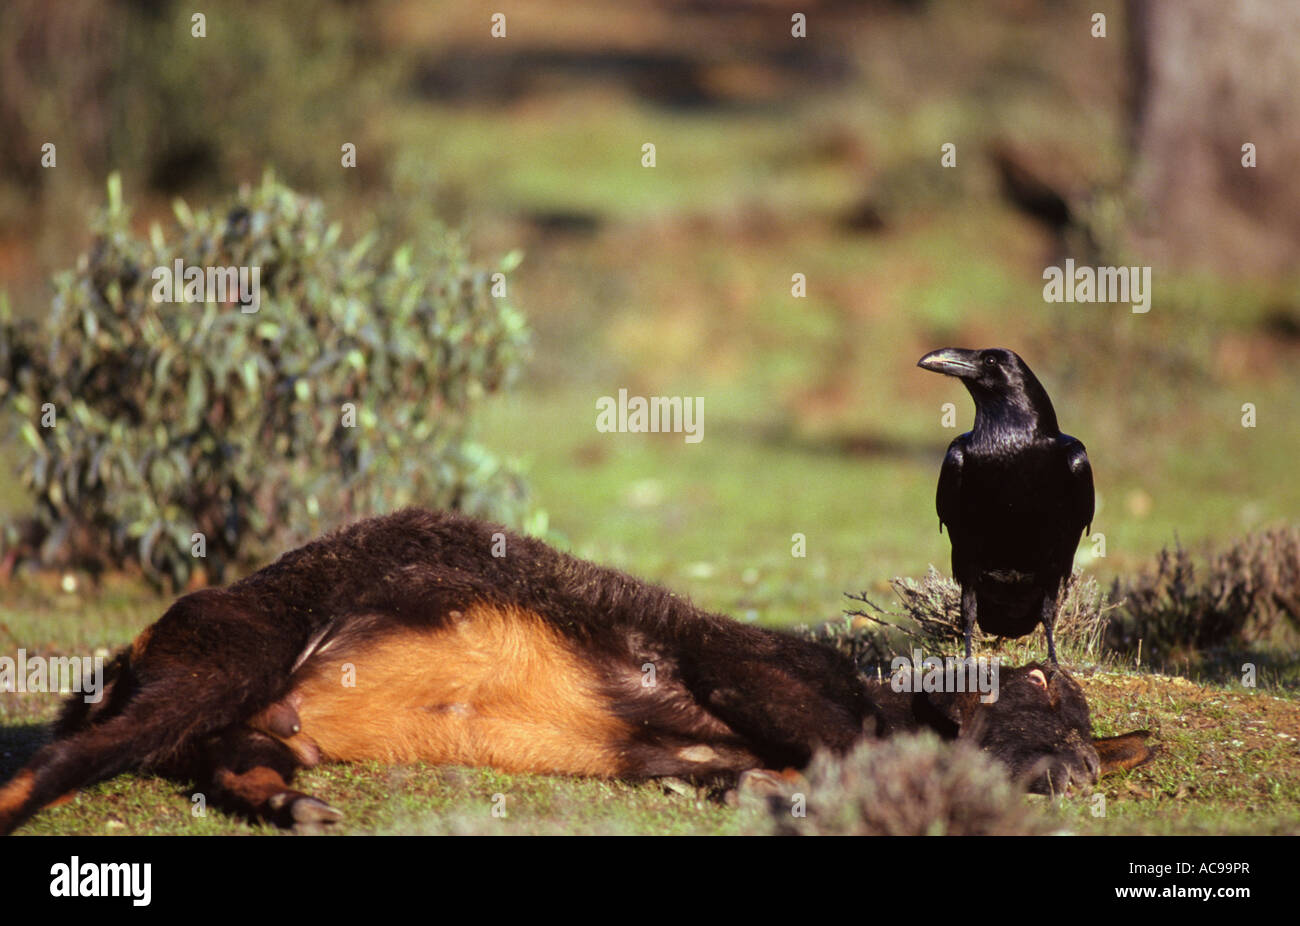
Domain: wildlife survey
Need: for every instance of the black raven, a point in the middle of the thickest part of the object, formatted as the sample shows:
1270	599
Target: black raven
1015	494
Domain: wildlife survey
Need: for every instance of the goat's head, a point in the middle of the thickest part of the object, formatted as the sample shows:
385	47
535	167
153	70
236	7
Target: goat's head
1040	729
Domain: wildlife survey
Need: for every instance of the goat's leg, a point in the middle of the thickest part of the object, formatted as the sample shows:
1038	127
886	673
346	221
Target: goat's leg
248	773
93	754
782	703
204	668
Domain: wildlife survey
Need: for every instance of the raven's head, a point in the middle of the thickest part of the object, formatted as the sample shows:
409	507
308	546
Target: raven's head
1002	385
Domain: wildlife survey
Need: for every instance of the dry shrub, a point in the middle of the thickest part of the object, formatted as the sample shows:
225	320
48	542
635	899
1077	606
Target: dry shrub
931	618
1245	594
908	786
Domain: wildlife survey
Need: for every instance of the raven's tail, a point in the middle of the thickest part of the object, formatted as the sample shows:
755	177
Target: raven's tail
1009	610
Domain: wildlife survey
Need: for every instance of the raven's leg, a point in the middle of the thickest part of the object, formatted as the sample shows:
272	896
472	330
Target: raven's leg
1049	620
968	614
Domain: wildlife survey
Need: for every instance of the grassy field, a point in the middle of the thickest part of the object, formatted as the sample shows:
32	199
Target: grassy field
716	526
677	281
1228	760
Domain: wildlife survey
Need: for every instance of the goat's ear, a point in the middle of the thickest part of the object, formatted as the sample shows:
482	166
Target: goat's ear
1128	750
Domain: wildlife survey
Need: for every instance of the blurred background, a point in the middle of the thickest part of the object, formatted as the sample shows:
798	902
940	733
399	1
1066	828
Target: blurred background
775	156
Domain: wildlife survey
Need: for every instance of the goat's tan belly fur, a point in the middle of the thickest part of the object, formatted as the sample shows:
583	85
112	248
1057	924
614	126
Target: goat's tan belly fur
492	688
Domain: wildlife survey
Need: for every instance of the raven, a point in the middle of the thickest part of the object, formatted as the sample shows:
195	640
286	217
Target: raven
1015	494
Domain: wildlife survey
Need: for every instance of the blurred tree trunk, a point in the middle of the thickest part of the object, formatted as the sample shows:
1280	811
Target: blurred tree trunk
1209	76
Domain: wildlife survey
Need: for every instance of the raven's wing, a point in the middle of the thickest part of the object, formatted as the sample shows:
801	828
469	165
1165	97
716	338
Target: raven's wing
948	497
1082	501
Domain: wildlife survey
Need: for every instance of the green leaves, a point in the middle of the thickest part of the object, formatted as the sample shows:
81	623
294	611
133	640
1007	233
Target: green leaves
175	417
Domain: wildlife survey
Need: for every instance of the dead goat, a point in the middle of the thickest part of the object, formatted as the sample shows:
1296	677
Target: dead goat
406	638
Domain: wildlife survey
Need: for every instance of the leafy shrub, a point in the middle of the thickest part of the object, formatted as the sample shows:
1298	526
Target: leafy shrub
174	418
907	786
1244	594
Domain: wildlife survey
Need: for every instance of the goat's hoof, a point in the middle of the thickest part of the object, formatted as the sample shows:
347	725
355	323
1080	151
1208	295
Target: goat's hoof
677	786
304	814
761	781
763	784
312	817
310	810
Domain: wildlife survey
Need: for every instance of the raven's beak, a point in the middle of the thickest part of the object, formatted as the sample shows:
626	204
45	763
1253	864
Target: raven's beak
951	361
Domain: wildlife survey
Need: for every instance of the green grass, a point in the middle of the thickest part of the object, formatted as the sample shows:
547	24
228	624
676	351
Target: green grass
1223	769
715	525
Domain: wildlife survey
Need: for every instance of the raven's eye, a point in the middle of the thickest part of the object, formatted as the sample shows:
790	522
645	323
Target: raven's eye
991	360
